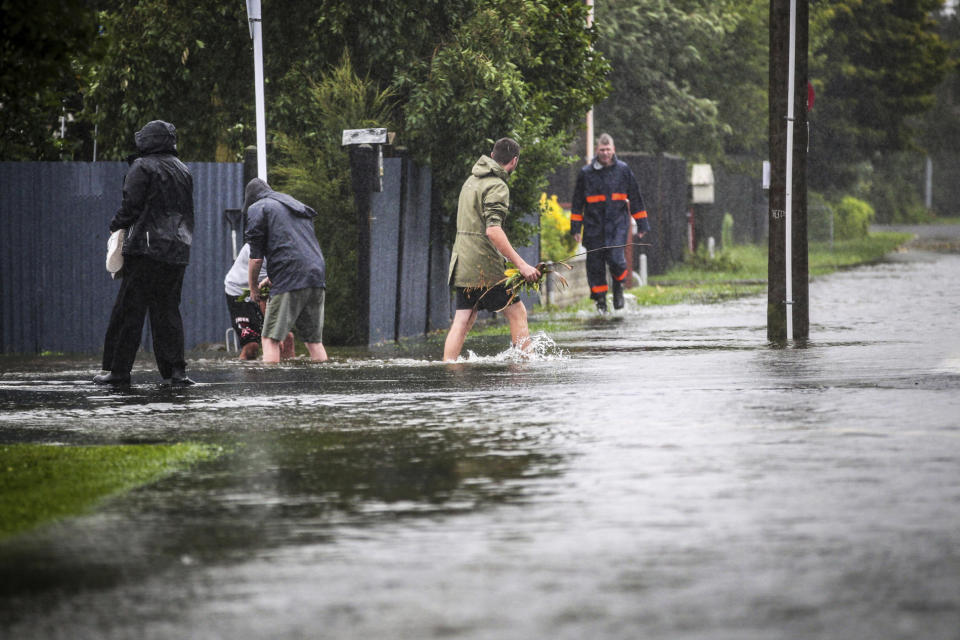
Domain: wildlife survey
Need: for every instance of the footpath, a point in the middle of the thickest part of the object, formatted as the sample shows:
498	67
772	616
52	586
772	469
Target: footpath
927	237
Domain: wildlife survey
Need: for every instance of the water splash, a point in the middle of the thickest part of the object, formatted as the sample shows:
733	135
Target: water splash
542	348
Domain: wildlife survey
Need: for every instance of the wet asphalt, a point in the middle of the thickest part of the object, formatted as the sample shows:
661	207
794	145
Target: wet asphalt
659	473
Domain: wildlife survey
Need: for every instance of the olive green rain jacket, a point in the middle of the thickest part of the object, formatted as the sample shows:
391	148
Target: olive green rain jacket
484	200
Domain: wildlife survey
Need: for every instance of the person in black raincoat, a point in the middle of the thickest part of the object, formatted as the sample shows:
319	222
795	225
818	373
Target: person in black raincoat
605	193
157	213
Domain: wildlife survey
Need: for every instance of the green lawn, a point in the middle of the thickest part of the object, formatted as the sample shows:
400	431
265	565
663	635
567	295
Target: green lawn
749	262
41	482
738	271
742	269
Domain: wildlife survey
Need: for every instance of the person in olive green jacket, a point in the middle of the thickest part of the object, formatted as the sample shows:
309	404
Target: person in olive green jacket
477	262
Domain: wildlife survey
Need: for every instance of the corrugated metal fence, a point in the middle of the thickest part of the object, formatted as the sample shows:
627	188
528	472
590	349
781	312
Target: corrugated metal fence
55	293
400	254
663	185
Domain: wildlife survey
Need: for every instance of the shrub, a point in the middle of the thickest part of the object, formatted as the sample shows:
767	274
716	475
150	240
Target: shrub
820	217
893	189
721	261
556	243
726	231
853	218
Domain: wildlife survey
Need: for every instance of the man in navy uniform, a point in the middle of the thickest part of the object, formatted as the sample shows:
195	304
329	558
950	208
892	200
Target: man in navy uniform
605	193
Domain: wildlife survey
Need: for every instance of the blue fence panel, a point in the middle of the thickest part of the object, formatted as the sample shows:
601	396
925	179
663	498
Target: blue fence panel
384	254
441	299
55	293
414	273
216	186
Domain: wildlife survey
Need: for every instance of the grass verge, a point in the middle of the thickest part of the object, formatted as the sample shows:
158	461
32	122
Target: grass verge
742	270
41	482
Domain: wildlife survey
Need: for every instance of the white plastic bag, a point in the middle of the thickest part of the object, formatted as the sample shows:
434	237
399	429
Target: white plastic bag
115	252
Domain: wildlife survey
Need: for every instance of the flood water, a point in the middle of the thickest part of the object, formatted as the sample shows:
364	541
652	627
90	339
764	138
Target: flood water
665	473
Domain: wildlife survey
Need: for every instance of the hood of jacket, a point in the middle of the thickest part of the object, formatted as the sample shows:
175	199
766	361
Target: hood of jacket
156	136
486	166
257	190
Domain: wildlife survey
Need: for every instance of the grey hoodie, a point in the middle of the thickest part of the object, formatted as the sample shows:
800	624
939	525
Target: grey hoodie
280	228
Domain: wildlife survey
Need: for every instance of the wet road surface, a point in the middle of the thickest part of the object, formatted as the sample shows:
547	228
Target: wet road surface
664	473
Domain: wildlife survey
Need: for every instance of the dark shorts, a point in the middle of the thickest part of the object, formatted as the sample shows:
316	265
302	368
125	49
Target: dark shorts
493	299
247	320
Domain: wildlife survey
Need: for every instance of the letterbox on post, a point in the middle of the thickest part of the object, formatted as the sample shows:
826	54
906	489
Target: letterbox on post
366	177
366	156
701	182
702	221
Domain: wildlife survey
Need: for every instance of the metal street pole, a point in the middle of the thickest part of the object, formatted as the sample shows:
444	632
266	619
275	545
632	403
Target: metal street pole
788	268
589	145
256	33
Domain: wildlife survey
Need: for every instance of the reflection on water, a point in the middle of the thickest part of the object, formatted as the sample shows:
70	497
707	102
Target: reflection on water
659	473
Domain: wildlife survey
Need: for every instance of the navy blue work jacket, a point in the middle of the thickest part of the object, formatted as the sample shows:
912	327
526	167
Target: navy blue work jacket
602	198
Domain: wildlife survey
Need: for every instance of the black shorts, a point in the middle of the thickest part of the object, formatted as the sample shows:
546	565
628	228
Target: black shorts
247	320
493	299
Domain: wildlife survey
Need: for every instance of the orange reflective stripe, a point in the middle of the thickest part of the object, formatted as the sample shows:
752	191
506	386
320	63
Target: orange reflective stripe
623	275
601	289
618	196
576	217
599	198
639	214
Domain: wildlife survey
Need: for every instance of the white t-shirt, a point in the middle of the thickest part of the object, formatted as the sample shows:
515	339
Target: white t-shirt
237	278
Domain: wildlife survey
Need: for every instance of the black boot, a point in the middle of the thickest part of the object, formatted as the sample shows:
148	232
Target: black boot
601	304
617	294
178	379
116	379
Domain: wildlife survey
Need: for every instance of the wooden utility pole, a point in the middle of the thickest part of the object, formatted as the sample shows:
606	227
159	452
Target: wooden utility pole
788	305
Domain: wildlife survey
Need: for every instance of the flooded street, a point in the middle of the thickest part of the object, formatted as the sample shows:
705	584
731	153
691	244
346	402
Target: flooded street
664	473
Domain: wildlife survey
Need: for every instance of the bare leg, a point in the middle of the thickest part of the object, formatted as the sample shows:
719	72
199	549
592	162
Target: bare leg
287	349
271	350
462	322
516	315
317	352
250	351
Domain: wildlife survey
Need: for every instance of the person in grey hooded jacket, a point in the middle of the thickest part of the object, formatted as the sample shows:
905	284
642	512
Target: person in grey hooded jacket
280	228
157	213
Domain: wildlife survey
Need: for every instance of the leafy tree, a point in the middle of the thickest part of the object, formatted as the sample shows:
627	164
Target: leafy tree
876	65
44	47
940	126
659	52
523	69
187	63
312	167
447	61
381	38
735	75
